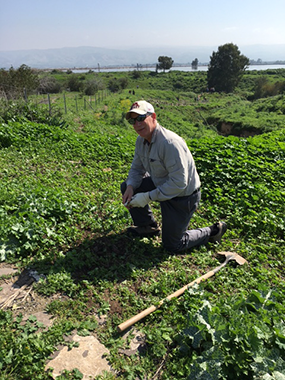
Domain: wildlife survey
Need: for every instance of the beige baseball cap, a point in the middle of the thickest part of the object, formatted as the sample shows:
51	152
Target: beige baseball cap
140	107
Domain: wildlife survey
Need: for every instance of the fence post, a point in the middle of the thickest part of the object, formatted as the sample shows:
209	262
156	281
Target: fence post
25	95
49	105
89	104
64	103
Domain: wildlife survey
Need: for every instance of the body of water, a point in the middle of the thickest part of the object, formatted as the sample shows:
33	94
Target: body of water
176	68
250	68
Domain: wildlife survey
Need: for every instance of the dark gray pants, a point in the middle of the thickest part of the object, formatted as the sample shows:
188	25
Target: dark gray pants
176	214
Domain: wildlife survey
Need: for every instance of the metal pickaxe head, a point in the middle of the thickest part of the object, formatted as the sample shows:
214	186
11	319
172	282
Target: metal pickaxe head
233	256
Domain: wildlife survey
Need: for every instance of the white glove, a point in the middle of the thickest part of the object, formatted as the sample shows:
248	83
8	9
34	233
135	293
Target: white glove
140	200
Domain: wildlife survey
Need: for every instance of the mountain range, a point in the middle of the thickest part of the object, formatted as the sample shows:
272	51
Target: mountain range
92	57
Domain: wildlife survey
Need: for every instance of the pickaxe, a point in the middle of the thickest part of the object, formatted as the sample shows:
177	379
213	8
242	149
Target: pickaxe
229	256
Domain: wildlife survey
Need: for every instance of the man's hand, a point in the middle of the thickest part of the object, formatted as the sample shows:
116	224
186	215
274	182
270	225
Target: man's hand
140	200
128	196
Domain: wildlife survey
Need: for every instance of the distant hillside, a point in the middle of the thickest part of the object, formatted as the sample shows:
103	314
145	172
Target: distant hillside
92	56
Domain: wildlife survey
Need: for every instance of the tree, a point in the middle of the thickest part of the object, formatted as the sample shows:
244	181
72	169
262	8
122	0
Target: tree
194	64
226	68
13	83
165	63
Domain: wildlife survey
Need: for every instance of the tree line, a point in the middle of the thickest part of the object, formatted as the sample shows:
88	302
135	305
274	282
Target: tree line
225	71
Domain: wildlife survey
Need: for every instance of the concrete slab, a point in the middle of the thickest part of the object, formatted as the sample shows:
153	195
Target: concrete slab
88	358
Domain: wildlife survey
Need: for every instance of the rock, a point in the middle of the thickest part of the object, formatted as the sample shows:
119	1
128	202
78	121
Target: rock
136	345
87	358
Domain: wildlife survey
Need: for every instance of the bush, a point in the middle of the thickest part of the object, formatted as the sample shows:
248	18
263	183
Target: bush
14	83
264	88
136	74
116	84
48	85
74	84
93	86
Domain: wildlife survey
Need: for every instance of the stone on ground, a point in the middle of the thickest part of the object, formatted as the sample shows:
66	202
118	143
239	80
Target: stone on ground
88	358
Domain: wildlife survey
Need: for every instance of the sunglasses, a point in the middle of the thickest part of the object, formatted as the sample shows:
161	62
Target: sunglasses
139	118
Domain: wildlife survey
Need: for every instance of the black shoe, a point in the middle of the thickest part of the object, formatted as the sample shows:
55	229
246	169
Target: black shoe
222	227
144	231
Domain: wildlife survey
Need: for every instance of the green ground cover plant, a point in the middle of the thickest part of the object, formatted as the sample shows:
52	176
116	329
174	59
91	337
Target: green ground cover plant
61	214
185	93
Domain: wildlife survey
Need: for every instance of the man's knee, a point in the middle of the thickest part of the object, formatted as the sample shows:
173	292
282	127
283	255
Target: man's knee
171	244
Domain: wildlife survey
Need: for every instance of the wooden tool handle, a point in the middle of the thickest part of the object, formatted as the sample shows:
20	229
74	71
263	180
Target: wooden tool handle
123	326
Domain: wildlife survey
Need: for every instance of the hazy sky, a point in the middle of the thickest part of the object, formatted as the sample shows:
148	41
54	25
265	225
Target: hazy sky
44	24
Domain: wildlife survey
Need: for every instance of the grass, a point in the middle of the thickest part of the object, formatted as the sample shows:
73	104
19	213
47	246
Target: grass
61	213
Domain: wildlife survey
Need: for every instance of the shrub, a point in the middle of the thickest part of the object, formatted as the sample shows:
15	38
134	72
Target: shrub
13	83
93	86
74	84
48	85
264	88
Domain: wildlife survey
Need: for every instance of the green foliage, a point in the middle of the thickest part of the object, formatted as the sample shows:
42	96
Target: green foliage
265	88
117	84
74	84
165	63
48	85
23	111
61	214
13	82
137	74
58	282
242	338
31	221
243	118
25	347
177	81
92	86
75	374
226	68
194	64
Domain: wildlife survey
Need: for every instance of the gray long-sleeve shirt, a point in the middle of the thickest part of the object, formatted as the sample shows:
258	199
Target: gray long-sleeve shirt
169	163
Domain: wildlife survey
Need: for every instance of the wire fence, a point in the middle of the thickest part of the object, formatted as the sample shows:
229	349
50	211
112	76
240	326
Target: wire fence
72	102
65	101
